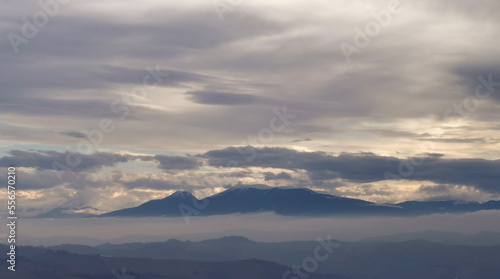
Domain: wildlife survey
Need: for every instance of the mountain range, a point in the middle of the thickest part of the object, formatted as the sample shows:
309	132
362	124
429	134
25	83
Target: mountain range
282	201
42	263
238	257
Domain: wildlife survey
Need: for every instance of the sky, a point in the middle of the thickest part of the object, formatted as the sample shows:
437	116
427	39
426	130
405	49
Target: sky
106	105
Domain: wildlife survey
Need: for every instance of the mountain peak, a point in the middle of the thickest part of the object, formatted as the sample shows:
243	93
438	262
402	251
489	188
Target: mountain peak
244	199
181	194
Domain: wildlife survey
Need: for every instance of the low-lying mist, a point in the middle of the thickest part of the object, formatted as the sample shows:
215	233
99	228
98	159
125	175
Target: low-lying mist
265	227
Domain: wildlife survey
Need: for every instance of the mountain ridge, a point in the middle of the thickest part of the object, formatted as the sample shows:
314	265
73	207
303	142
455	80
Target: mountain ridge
293	202
285	202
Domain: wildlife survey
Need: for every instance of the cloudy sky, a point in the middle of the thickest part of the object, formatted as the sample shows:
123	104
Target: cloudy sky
110	104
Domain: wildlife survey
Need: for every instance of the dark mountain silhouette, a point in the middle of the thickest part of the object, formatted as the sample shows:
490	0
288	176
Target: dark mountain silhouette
290	202
452	238
168	206
40	263
414	259
65	212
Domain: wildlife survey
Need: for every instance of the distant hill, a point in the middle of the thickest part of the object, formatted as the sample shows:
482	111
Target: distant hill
168	206
414	259
479	239
39	263
63	212
289	202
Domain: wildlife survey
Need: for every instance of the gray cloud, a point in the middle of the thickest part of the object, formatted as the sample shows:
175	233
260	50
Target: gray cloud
366	167
73	134
133	76
457	140
238	174
470	72
42	179
169	163
77	162
394	93
158	184
282	175
289	61
301	140
44	160
223	98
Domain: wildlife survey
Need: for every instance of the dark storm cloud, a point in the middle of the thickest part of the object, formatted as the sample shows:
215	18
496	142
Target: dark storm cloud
224	98
282	175
44	160
366	167
133	76
42	179
301	140
238	174
486	75
46	179
170	163
77	135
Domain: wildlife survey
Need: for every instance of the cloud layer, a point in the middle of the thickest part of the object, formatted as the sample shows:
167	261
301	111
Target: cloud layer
185	91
